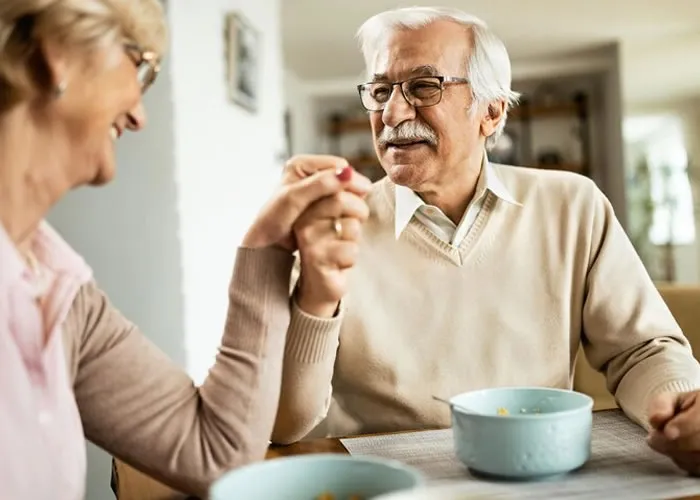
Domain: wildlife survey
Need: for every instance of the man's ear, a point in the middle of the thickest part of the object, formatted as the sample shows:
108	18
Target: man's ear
492	118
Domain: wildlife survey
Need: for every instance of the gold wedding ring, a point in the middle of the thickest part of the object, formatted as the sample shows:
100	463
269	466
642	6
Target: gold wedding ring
338	228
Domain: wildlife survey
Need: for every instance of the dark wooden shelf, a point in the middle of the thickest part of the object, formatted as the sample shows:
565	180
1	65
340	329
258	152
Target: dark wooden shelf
349	125
362	162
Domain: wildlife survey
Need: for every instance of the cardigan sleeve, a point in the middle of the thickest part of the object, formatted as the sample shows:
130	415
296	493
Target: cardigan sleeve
142	408
629	332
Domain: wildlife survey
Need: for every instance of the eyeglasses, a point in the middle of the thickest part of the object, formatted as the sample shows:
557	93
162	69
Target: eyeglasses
147	65
419	92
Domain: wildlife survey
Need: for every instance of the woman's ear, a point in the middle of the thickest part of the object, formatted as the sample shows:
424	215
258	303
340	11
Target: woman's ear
492	118
53	72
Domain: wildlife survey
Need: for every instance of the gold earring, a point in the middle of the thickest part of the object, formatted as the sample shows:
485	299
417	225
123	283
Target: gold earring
60	89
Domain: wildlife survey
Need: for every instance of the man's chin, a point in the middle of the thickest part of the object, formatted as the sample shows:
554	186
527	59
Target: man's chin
403	174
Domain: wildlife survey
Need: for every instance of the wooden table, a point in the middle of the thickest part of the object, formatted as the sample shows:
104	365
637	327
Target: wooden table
129	484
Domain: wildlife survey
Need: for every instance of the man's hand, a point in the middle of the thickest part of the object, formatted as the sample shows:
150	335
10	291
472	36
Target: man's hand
327	235
306	179
675	419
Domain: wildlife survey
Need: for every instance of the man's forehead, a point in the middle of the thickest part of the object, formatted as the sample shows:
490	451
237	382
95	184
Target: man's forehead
426	51
409	72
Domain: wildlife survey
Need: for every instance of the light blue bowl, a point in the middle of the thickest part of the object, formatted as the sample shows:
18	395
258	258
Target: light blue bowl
306	477
546	431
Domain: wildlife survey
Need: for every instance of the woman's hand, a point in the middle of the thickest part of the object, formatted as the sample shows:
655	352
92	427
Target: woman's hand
306	180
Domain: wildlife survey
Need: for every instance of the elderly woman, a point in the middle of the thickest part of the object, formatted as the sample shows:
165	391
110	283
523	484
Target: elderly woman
72	73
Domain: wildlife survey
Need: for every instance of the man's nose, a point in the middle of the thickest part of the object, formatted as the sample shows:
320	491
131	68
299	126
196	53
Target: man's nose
397	109
136	118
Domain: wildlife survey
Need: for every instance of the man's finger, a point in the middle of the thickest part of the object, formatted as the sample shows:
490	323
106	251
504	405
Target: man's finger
658	442
686	421
350	229
333	255
342	204
661	409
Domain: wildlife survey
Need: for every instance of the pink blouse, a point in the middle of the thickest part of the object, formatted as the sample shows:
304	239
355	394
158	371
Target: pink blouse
42	448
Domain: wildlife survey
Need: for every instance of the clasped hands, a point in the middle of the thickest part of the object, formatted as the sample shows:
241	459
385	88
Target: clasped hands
318	210
675	421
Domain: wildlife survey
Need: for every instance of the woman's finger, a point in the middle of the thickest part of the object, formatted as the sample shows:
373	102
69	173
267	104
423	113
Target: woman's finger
301	166
296	198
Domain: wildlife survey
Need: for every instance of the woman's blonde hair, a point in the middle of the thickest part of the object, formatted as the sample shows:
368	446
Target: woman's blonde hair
86	24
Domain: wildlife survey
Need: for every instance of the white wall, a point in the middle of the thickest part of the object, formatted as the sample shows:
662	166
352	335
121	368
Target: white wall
227	159
162	237
304	119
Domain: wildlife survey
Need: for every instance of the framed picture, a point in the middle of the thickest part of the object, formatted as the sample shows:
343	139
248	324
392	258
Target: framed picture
243	53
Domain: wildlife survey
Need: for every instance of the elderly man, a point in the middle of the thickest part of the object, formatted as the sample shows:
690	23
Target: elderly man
472	274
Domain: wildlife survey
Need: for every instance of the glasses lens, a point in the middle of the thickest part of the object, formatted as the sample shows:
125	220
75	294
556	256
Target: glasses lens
146	75
423	91
375	95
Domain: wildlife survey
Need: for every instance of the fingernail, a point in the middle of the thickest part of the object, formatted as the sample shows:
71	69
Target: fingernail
672	432
344	174
340	166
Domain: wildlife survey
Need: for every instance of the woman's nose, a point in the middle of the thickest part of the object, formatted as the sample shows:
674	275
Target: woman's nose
136	118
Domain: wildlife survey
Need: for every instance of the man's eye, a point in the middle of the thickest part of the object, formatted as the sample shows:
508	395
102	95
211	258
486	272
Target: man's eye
380	92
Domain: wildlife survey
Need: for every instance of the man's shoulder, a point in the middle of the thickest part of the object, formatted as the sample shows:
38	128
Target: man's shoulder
528	176
526	184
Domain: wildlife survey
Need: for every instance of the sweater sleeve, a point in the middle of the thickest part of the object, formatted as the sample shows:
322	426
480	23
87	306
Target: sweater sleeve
629	333
142	408
309	361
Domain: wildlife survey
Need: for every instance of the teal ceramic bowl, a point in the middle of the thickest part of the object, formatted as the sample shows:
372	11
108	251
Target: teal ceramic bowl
309	477
522	432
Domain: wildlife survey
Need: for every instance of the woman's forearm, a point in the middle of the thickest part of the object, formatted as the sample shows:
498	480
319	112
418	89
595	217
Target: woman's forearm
142	408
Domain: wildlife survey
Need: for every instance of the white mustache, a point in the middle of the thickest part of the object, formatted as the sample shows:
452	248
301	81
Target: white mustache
407	131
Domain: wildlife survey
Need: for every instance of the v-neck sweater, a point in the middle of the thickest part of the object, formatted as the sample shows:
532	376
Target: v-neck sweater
509	306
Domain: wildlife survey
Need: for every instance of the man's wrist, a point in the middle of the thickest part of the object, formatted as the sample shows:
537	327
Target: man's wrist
315	307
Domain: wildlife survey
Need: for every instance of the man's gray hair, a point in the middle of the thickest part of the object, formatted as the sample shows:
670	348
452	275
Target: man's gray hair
488	66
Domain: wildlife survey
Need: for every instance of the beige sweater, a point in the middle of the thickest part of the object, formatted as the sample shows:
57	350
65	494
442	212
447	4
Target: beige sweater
508	307
142	408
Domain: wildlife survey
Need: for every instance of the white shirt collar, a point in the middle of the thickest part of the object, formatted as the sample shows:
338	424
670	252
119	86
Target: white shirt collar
407	201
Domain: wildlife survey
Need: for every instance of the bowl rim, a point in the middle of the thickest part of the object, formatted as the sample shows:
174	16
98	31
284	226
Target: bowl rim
417	476
522	416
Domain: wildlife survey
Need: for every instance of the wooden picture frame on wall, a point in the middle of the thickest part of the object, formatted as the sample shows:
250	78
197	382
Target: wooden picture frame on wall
243	61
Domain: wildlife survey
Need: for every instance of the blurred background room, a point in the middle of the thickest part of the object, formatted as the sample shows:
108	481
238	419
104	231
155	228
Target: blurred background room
611	90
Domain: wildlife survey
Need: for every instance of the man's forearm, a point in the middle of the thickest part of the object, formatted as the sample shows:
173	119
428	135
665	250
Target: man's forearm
309	360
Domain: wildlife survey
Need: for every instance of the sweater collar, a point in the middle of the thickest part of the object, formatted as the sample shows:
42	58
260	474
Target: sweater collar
50	250
407	201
